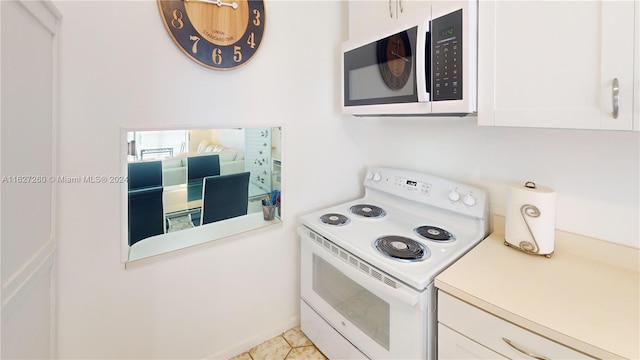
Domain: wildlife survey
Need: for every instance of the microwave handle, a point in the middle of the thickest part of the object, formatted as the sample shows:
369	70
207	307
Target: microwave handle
427	63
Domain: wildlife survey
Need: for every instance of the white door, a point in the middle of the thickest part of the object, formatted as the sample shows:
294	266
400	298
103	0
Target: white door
27	196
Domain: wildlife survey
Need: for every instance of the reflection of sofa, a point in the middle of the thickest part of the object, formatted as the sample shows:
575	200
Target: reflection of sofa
174	169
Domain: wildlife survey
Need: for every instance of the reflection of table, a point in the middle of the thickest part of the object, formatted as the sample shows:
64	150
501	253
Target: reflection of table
176	204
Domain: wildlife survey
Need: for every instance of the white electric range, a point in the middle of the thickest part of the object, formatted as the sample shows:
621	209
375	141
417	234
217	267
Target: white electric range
368	265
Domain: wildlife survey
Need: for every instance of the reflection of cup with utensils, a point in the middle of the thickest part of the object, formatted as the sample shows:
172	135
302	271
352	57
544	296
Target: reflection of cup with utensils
269	212
270	204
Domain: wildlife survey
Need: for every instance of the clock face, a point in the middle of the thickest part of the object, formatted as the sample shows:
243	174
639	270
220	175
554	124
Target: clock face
220	35
395	60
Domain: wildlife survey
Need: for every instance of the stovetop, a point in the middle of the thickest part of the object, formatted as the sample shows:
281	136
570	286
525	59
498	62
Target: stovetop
409	200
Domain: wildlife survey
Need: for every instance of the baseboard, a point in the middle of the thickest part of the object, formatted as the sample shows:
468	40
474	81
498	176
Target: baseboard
247	344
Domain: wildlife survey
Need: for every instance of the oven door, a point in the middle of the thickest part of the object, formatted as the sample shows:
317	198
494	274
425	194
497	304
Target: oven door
382	317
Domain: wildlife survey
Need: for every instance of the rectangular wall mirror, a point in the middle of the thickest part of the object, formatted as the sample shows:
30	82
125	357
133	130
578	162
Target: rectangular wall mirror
190	186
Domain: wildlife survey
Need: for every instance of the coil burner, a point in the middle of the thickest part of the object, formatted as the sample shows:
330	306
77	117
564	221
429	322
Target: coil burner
334	219
368	211
434	233
402	248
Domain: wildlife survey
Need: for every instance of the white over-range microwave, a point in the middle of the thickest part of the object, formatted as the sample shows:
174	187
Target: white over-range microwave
424	66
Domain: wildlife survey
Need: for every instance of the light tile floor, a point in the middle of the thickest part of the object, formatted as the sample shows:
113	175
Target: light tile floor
291	345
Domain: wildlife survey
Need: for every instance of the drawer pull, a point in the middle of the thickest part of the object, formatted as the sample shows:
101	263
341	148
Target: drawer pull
616	98
510	343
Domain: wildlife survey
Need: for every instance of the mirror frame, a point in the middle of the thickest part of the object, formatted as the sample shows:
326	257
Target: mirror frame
198	235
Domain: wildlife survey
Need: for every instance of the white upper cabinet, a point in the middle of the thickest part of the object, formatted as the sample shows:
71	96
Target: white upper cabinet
367	15
558	64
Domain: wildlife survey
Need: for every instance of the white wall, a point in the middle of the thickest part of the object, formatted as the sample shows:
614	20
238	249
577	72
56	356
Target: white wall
120	68
596	174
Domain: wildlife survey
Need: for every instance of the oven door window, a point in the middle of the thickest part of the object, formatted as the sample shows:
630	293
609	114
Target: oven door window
358	305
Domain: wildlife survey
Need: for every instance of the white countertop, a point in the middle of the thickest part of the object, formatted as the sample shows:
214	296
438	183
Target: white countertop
586	296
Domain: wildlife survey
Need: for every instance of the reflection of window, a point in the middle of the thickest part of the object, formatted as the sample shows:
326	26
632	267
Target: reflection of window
158	144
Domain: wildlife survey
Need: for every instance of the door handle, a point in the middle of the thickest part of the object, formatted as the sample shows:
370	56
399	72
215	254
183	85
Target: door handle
616	98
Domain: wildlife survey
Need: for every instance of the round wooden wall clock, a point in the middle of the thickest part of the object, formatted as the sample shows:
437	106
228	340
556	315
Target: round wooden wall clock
395	60
220	35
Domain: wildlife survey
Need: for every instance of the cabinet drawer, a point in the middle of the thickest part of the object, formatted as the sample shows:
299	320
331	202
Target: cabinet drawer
454	346
493	332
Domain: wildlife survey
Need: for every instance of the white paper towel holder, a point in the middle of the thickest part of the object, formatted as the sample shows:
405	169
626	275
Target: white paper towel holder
529	210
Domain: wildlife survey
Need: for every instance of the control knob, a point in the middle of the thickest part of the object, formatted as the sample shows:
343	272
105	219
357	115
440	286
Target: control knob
377	177
469	200
454	196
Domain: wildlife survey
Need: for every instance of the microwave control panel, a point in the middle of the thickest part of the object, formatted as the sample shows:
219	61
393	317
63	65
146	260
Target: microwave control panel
446	52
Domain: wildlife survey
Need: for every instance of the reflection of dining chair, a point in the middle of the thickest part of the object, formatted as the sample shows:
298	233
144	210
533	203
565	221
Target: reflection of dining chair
144	174
199	167
223	197
146	215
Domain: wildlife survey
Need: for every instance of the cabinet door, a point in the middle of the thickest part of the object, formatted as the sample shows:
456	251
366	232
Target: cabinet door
366	16
554	63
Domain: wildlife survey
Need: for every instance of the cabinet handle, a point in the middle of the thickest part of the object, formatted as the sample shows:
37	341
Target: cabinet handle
616	98
391	9
401	6
510	343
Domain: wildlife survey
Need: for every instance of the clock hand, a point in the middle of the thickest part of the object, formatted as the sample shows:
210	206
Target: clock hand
218	2
399	56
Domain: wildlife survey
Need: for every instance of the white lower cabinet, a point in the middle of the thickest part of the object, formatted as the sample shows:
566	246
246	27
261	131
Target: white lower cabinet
466	332
453	345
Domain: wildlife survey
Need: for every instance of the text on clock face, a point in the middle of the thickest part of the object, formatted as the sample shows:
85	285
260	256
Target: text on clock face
215	35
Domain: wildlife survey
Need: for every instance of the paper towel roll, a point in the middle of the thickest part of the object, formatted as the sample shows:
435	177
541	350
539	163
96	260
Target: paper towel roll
531	218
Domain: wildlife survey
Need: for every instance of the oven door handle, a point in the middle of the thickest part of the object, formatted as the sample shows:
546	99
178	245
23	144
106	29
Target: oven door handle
402	293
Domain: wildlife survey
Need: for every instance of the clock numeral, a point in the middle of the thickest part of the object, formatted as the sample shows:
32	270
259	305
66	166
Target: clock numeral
251	40
176	21
216	56
195	40
256	20
237	54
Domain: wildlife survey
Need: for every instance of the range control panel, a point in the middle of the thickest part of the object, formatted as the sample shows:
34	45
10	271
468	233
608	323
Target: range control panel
412	185
429	189
446	50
